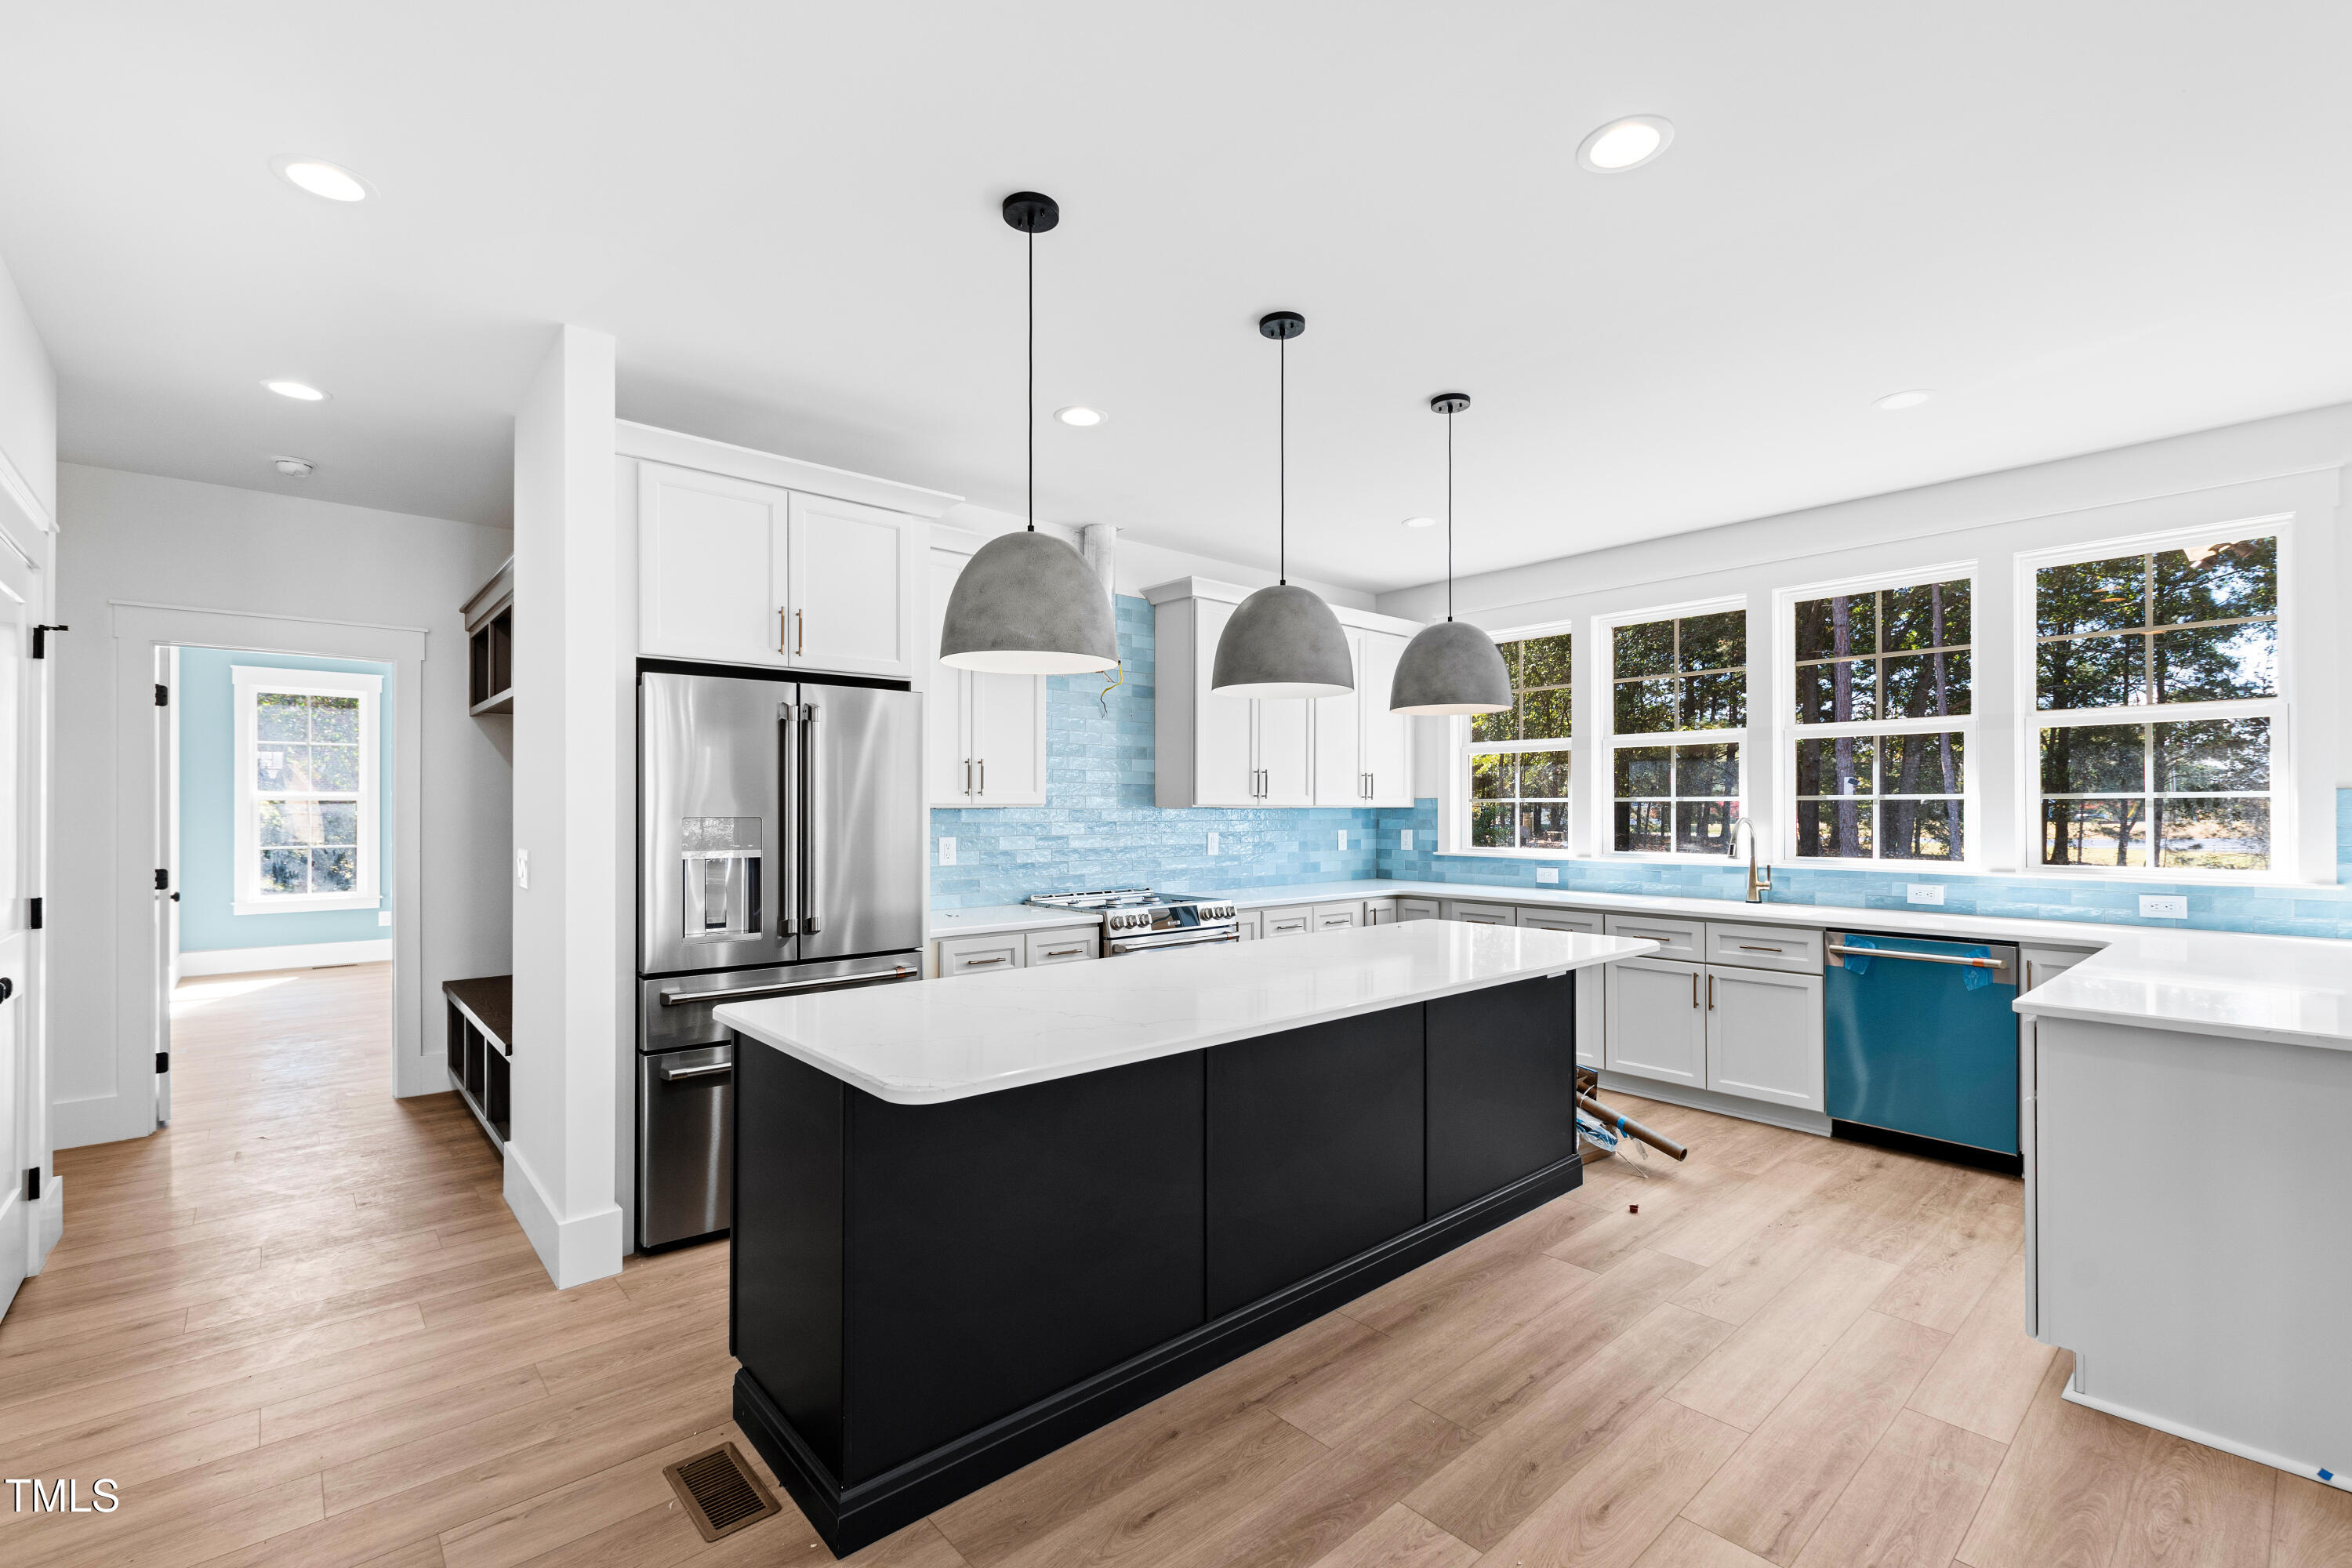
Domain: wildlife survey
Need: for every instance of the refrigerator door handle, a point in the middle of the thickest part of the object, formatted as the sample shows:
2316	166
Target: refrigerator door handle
788	720
813	878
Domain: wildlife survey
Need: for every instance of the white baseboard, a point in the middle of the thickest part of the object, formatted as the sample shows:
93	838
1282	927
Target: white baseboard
48	1217
1763	1111
573	1251
296	955
2335	1478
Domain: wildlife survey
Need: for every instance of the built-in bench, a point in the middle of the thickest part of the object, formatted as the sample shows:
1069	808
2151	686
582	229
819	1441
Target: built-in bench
481	1050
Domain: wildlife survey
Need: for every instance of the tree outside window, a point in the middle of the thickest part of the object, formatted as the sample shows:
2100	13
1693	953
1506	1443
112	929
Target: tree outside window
1518	762
1676	687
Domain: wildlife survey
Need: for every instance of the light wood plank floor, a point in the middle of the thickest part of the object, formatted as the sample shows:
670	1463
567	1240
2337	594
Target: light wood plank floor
300	1327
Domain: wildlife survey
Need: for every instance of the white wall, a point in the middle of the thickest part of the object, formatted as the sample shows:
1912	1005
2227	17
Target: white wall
2294	462
571	813
144	539
29	404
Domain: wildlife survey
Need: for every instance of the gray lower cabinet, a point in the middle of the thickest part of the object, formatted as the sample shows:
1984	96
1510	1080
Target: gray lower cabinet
1073	945
960	955
1732	1008
1419	909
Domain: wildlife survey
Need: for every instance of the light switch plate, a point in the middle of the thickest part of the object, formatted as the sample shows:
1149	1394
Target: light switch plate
1547	873
1923	892
522	868
947	851
1404	838
2163	907
1213	843
1343	837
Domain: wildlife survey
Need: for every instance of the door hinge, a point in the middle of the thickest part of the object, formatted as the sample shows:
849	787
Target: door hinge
41	639
162	879
162	1062
31	1184
36	914
162	695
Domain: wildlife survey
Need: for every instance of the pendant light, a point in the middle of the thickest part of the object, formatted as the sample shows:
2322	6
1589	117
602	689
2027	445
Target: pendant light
1283	641
1450	666
1028	604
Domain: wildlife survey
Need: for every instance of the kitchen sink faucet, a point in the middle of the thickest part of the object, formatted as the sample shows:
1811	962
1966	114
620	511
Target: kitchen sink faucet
1759	883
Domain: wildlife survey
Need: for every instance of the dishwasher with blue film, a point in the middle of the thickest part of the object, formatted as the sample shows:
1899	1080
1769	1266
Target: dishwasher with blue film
1918	1039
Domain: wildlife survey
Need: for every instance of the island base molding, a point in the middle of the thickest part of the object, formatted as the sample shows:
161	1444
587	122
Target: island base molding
851	1517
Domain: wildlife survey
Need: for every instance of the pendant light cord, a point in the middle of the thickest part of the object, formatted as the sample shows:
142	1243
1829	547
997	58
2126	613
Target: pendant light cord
1033	380
1449	514
1282	460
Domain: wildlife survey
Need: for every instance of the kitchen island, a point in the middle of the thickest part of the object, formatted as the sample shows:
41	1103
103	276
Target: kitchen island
976	1220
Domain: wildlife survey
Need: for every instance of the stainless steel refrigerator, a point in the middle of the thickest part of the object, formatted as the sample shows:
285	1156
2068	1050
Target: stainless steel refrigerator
779	834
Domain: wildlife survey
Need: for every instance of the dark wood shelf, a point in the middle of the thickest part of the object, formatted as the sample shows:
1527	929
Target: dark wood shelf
481	1050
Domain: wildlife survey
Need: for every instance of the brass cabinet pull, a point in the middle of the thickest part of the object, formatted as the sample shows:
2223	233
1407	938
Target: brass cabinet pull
1064	951
1751	947
968	963
780	629
1710	993
800	632
983	775
1693	987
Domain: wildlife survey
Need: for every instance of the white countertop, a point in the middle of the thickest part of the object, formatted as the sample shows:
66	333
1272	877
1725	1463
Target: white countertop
2297	989
931	1041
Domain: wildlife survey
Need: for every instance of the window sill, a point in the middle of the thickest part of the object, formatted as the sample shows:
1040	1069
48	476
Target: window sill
306	905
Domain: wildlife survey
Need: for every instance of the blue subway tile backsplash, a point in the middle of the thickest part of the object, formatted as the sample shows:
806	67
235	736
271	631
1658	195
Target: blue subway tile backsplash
1100	830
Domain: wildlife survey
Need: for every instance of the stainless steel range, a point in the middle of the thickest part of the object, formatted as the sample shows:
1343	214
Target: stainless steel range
1137	920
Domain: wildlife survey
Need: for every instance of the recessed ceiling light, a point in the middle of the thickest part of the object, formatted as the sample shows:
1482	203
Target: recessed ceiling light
1896	402
1626	143
1076	414
300	391
321	178
1420	522
292	468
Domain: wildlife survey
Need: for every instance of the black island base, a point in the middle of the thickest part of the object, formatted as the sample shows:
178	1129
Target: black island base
925	1297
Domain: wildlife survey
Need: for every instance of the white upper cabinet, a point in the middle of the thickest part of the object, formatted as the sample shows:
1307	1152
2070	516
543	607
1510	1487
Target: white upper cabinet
710	566
1363	753
985	734
1235	751
850	574
744	557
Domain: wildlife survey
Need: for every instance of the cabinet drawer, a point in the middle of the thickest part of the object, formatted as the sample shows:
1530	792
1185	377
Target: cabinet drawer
1418	909
1072	946
1765	947
1478	914
1540	917
1684	939
1338	917
981	954
1292	919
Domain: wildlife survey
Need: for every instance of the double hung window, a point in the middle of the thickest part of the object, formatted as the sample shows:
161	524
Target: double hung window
1517	763
2158	707
307	829
1678	712
1882	693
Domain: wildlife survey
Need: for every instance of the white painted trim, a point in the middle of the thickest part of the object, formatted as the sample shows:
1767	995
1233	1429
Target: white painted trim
293	955
2074	1396
1235	593
573	1251
656	445
247	680
14	485
48	1219
1790	1117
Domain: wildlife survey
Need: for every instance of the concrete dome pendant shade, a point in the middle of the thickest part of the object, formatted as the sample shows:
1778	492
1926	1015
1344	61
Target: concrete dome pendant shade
1450	666
1283	641
1028	604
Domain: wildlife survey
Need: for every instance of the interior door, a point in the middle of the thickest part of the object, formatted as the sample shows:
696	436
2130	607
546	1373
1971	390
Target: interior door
1386	743
167	861
710	559
947	708
17	1154
1656	1020
1338	763
1764	1036
848	571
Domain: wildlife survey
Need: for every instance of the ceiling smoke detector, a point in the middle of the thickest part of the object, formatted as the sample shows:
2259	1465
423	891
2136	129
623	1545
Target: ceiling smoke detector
292	468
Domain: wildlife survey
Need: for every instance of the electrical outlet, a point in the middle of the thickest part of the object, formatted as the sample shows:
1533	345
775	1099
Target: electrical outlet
1547	873
1343	839
522	868
947	852
1404	838
1213	843
2163	907
1923	892
384	917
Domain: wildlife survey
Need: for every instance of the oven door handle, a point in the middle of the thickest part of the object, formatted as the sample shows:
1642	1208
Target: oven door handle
1151	945
745	993
671	1075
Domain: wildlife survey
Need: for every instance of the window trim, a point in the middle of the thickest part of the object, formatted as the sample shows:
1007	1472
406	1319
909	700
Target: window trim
246	682
1603	820
1454	803
1787	731
2285	791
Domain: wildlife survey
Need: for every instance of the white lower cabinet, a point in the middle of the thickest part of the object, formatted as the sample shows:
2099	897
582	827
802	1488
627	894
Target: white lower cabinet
1380	911
1419	909
1338	917
981	954
1477	914
1293	920
1069	946
1764	1036
1657	1024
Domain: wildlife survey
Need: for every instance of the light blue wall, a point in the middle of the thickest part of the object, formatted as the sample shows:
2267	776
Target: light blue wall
208	809
2272	911
1098	827
1100	830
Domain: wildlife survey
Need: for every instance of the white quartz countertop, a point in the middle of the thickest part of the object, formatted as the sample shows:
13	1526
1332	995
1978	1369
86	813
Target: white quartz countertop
2291	990
931	1041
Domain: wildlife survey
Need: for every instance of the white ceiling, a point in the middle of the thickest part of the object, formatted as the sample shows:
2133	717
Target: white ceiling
2084	224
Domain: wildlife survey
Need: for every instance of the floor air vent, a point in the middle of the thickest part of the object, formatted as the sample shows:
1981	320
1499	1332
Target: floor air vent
720	1493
